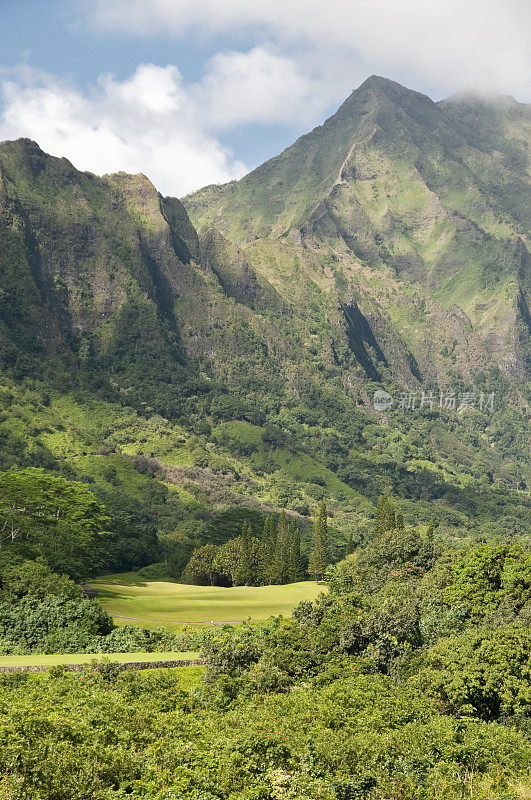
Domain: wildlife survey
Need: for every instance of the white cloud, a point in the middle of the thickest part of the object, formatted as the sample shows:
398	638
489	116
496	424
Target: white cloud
148	123
152	122
259	86
307	55
450	44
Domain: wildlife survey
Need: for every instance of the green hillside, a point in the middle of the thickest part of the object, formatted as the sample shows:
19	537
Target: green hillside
436	192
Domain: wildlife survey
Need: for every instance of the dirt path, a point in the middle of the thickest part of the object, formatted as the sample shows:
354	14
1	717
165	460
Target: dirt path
168	622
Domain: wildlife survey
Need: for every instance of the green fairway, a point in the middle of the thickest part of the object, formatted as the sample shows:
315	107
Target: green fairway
86	658
128	595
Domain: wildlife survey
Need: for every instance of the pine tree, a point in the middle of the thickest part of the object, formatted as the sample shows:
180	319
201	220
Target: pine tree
246	568
319	557
295	569
266	530
264	552
269	542
349	547
281	559
324	527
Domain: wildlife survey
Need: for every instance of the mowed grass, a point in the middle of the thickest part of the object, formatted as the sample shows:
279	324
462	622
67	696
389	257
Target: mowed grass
166	603
87	658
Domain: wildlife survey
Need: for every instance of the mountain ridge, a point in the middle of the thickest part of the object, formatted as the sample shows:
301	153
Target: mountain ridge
382	88
403	186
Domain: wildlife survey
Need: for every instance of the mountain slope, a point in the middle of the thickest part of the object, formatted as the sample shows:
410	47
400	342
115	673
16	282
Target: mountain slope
113	276
380	115
438	193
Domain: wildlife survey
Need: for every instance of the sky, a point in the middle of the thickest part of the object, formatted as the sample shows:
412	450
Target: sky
192	92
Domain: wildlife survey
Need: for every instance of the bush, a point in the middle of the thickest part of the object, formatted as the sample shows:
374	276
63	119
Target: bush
484	673
155	572
35	579
34	626
108	670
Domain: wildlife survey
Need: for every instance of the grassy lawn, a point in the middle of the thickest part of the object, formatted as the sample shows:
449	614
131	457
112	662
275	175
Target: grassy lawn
128	595
86	658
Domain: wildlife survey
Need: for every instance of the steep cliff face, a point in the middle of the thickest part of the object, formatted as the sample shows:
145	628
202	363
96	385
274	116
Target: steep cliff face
106	276
111	274
94	275
87	251
235	275
434	194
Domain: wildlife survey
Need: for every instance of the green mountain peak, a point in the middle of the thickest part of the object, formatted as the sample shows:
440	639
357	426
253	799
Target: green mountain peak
436	192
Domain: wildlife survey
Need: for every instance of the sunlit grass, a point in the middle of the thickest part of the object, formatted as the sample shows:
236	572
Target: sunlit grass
167	603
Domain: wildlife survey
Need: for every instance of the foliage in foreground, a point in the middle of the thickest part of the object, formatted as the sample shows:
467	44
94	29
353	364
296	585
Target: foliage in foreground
410	680
342	734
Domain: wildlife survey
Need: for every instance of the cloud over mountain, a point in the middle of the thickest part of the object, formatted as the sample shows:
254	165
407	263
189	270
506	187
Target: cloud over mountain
147	123
482	44
152	121
277	64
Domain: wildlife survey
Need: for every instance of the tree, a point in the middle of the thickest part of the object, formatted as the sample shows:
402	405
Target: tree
319	557
229	558
487	576
295	568
50	517
386	516
349	547
241	559
36	580
269	541
201	568
246	565
481	672
281	556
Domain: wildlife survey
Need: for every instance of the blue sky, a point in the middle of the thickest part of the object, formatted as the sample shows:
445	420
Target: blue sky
199	91
50	35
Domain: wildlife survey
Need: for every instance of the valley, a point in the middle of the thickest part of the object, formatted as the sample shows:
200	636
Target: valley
280	425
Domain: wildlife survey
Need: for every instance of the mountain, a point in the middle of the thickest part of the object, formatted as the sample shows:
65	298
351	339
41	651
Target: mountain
436	193
192	359
104	271
342	335
384	122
